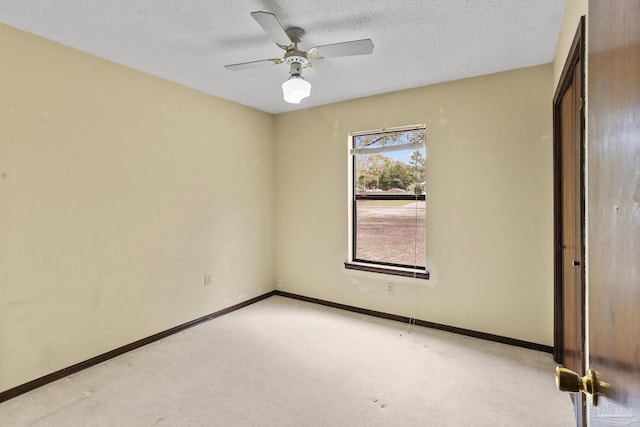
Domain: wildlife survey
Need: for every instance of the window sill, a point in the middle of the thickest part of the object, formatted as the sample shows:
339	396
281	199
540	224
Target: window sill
405	272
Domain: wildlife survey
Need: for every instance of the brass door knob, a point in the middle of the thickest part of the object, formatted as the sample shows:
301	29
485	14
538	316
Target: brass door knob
569	381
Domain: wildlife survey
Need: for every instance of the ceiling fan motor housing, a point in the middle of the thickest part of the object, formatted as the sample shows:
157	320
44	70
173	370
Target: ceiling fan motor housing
297	60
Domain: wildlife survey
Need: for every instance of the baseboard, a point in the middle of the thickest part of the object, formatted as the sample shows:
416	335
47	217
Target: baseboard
39	382
439	326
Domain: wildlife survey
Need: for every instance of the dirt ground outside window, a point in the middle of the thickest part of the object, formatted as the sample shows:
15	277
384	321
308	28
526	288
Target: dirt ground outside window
391	234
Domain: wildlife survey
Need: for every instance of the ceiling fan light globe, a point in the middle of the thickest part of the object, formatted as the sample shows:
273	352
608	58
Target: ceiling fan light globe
295	89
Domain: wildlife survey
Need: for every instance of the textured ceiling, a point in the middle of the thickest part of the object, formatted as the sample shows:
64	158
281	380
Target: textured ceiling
417	42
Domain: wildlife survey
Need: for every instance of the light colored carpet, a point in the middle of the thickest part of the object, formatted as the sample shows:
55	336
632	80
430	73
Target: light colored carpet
282	362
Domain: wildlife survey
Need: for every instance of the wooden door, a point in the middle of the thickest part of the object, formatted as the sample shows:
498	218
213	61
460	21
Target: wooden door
614	209
569	214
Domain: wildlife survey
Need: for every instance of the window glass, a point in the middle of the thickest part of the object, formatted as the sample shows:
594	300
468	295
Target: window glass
389	198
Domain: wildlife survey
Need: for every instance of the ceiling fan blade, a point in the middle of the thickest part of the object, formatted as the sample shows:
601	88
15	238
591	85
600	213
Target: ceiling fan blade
253	64
270	24
355	47
313	75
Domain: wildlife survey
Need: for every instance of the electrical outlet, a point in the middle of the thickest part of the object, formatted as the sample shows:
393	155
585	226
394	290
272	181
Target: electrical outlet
207	279
391	288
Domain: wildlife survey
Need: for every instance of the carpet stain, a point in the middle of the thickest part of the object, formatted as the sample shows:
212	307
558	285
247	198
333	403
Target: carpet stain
158	420
382	405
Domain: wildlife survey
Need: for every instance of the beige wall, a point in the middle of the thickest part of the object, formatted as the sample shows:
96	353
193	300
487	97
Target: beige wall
574	10
118	192
489	214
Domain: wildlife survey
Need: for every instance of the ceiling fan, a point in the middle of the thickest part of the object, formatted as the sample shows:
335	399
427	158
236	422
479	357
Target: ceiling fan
296	87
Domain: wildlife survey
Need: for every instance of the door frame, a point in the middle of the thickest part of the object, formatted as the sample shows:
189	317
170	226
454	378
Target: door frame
576	53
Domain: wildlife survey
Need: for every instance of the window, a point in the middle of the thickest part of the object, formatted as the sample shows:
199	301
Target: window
388	202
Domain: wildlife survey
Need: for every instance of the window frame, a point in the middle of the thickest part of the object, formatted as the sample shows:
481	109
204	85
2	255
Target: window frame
353	263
